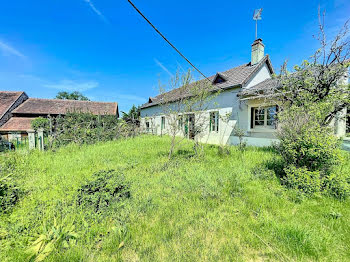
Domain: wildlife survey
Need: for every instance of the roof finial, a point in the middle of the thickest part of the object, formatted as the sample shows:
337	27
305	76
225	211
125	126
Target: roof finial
256	17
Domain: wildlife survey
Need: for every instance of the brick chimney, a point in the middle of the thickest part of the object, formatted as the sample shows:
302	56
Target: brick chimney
257	51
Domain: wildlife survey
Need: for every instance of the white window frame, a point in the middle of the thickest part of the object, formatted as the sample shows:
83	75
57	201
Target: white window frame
265	125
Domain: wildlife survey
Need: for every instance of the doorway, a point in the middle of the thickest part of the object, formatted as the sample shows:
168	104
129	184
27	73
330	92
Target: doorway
190	126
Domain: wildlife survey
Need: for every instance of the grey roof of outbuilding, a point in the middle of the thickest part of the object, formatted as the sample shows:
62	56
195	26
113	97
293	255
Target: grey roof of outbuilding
235	77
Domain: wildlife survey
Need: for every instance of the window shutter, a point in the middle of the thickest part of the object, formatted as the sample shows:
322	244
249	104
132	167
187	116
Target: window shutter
252	117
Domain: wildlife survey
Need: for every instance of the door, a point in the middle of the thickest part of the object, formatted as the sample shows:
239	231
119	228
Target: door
191	126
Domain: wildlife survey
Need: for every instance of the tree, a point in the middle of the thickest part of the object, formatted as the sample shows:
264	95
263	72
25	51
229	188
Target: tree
184	107
132	120
72	96
132	115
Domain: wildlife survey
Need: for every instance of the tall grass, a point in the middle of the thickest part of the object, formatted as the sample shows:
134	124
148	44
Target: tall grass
213	208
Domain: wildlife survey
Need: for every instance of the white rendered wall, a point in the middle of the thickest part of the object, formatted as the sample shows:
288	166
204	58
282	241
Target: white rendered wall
262	74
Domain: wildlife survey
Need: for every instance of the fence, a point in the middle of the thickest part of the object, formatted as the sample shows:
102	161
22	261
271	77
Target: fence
21	143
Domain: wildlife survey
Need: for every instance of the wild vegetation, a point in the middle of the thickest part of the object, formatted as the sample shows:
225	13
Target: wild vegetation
83	128
124	200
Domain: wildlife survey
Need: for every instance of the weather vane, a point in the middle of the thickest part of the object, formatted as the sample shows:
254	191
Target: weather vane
256	17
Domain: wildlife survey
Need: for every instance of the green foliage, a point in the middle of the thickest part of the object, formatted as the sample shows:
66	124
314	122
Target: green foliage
72	96
310	153
105	189
133	114
9	189
5	145
40	123
224	150
9	192
58	236
304	143
85	128
337	186
301	178
187	209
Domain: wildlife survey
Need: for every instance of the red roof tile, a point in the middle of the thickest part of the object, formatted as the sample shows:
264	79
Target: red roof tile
61	107
17	124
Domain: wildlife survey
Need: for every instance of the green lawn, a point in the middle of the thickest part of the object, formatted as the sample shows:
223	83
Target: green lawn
214	208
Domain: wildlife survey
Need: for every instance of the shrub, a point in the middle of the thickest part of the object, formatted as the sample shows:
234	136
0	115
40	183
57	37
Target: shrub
305	143
301	178
105	189
39	123
86	128
310	153
337	186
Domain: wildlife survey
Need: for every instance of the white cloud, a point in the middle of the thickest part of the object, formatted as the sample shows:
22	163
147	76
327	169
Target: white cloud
70	85
163	67
98	12
6	50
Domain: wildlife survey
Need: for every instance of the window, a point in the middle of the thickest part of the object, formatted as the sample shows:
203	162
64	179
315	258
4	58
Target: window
219	79
214	121
264	117
147	126
163	122
180	122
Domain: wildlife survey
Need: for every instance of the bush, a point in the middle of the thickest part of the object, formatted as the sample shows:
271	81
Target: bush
105	189
86	128
301	178
304	143
40	123
337	186
310	154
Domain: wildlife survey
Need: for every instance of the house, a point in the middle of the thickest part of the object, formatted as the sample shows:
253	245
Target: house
20	118
256	121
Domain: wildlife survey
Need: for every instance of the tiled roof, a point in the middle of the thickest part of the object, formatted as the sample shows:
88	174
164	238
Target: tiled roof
17	124
237	76
60	107
266	85
7	99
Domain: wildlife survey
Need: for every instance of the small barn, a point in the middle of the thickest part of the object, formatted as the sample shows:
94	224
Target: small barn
19	120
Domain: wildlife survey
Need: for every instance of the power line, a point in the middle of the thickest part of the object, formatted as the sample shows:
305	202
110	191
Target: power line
149	22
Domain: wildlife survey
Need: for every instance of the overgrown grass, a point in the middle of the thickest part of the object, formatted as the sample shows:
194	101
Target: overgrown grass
214	208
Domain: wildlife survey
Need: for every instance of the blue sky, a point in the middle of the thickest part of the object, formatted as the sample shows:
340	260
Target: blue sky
105	50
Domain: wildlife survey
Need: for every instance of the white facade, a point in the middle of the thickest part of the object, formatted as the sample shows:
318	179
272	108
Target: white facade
232	113
240	113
